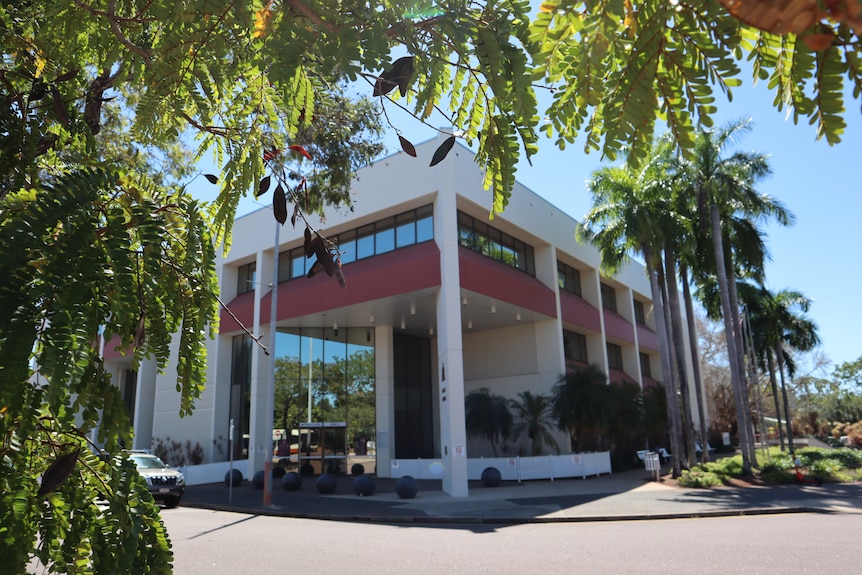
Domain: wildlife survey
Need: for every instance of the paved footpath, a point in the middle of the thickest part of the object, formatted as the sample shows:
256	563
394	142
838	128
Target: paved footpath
621	496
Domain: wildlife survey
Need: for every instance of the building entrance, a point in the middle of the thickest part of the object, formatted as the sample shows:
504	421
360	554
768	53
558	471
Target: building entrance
414	425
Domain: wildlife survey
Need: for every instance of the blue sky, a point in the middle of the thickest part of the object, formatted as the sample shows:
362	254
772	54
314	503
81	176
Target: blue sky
819	256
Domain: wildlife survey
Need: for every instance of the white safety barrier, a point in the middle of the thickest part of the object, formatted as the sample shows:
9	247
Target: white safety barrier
513	468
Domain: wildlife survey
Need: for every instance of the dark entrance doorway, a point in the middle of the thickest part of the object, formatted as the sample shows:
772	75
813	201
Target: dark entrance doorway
414	426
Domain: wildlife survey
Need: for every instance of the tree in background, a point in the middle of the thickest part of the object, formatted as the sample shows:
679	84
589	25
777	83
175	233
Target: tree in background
487	416
534	418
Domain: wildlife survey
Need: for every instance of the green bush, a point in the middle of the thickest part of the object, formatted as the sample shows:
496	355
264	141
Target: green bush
778	471
829	469
731	466
699	477
849	458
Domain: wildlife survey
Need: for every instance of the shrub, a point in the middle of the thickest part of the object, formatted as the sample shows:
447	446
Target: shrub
776	472
731	466
699	477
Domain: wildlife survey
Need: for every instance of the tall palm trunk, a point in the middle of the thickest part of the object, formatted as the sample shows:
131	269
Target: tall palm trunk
676	445
739	399
752	370
679	347
780	353
740	360
695	358
771	362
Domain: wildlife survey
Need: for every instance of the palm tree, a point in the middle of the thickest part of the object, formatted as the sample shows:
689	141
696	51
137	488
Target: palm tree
628	210
778	322
582	406
487	416
724	187
535	419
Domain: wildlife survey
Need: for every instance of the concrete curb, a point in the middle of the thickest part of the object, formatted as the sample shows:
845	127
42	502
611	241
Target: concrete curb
485	520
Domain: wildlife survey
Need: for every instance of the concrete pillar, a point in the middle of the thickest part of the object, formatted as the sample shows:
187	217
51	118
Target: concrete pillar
385	398
450	358
145	404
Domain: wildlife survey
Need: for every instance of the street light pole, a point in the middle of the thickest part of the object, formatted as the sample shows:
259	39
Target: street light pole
270	392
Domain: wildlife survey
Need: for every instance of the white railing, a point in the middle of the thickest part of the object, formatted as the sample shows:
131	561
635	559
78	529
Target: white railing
212	472
513	468
510	468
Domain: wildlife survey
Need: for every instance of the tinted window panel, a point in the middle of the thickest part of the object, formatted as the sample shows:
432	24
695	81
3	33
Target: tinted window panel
386	241
425	229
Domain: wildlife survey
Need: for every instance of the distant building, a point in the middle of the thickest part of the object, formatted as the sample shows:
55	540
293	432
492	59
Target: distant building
440	301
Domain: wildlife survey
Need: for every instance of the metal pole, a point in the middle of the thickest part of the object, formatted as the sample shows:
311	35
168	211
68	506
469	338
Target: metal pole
310	362
230	473
270	392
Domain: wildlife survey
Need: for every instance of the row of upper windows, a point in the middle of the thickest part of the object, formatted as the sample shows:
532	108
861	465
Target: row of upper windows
489	241
406	229
575	349
417	226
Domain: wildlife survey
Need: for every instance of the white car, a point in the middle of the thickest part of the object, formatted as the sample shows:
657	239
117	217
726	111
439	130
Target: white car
166	484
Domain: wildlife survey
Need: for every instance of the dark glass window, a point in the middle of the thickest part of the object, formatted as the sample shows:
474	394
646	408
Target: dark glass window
424	225
645	368
385	236
365	242
405	230
489	241
245	278
615	356
575	346
640	316
569	278
347	246
609	297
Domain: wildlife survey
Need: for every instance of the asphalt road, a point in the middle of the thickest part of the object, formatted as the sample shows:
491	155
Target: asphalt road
220	543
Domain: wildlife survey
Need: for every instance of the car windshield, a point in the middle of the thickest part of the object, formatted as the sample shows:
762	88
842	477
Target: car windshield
148	462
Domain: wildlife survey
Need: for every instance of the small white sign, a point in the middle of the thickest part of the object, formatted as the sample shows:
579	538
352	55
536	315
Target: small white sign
458	451
576	458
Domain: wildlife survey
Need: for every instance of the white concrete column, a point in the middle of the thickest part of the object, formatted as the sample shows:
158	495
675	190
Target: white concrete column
450	358
259	438
384	399
145	404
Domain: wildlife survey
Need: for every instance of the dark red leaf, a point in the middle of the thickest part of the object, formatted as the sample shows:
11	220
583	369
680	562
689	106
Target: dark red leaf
295	215
324	256
60	106
408	147
279	204
308	244
340	275
211	178
263	187
399	75
66	76
271	154
58	472
301	151
442	150
314	269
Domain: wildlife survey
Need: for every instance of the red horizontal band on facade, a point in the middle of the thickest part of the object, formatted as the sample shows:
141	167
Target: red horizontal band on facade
618	376
397	272
111	351
647	338
242	306
489	277
578	311
617	327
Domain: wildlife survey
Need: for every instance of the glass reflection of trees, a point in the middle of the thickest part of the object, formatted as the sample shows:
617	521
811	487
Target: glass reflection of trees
340	366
